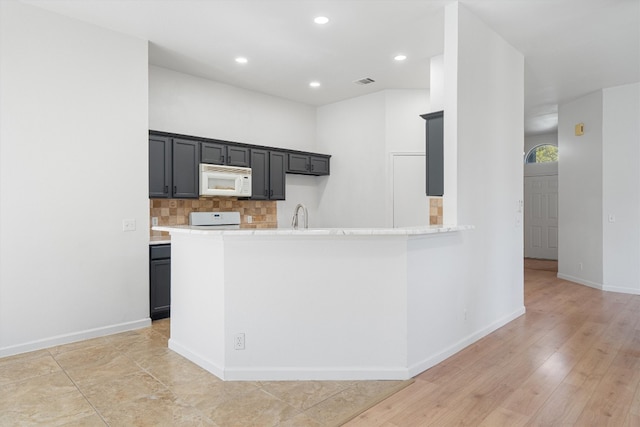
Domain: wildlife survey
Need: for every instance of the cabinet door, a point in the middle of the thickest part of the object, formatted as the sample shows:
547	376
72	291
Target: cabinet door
238	156
185	169
298	163
213	153
259	174
160	288
277	169
435	153
319	165
159	167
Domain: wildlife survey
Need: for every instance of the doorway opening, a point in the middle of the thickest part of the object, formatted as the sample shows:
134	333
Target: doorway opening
541	202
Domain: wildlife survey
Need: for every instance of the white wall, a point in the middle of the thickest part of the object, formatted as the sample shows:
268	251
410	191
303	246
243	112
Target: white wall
621	188
580	181
73	165
181	103
353	132
436	83
487	109
405	139
362	133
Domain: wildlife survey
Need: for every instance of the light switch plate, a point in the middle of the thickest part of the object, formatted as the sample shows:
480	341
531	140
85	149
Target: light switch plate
128	225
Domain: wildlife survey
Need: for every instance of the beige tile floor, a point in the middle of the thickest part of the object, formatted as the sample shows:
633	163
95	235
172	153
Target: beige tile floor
133	379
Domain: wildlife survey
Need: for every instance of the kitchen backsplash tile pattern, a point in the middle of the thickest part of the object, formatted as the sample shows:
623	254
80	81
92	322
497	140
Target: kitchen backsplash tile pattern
435	211
176	211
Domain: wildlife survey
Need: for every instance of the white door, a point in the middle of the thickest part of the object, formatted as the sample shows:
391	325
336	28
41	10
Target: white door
410	201
541	217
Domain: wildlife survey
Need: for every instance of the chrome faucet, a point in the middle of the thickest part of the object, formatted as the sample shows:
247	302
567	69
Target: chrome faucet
294	220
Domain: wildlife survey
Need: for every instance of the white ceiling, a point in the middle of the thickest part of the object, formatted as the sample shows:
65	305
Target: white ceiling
571	47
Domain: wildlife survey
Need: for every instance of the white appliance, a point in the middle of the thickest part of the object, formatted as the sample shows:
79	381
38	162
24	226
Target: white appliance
220	220
218	180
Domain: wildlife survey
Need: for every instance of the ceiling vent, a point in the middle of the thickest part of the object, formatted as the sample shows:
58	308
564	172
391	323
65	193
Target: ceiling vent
364	81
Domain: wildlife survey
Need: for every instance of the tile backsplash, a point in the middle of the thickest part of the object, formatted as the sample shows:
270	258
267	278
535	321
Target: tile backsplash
176	211
435	211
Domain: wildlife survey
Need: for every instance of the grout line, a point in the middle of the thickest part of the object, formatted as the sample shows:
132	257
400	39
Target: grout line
79	389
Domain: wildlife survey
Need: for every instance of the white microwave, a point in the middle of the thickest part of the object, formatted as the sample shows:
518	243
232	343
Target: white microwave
218	180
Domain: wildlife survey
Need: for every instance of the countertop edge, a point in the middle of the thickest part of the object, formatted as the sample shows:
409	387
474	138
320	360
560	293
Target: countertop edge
164	240
404	231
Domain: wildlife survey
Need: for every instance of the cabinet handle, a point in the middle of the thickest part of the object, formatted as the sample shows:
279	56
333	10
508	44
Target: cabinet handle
266	193
175	189
166	189
312	168
271	193
222	159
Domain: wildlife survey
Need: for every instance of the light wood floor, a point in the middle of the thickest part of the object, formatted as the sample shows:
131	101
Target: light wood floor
572	360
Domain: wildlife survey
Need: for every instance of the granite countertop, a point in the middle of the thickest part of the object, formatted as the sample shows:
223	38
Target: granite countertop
402	231
159	240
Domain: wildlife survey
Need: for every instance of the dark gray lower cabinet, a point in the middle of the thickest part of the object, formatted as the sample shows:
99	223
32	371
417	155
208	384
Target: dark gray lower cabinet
159	281
267	175
435	153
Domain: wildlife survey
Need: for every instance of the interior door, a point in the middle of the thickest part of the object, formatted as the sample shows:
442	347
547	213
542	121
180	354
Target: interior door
410	201
541	217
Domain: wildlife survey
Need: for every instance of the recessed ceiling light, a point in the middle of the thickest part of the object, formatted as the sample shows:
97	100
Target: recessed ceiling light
400	57
321	20
314	84
241	60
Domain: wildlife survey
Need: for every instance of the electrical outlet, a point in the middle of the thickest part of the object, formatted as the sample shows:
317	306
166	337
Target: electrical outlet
238	341
249	219
580	266
465	314
154	221
128	225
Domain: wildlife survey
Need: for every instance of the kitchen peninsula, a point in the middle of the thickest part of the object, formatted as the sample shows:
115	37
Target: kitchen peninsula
317	304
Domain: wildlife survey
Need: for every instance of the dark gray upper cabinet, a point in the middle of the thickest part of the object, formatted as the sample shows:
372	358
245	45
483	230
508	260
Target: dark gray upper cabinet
221	154
159	167
298	163
213	153
238	156
267	174
174	165
186	158
259	174
277	179
435	153
319	165
307	164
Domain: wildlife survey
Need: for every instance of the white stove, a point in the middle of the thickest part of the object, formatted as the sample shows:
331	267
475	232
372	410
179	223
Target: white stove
215	220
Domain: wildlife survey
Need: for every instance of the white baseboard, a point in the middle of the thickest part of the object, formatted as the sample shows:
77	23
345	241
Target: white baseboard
433	360
580	281
622	290
196	358
74	337
289	373
350	373
353	373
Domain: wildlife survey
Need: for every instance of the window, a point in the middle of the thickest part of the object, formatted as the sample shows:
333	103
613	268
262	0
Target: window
545	153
